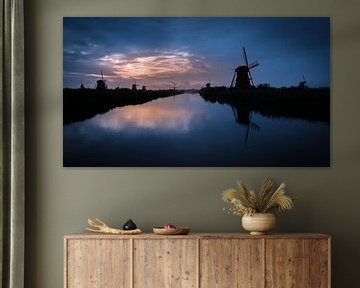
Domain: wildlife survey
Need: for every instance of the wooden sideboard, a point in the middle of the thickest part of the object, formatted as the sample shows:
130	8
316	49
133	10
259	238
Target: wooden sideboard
197	260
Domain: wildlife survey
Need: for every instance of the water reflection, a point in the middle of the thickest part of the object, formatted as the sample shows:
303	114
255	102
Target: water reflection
186	131
243	116
161	116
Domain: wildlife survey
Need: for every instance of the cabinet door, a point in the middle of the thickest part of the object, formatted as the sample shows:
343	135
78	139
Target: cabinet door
231	263
165	263
320	263
287	263
98	263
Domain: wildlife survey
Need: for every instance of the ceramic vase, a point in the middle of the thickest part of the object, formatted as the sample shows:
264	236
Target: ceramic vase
259	223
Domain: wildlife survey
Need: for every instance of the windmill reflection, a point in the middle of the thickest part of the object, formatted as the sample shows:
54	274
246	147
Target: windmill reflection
243	116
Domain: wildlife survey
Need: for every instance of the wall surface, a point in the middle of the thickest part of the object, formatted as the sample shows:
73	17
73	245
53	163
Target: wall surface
59	200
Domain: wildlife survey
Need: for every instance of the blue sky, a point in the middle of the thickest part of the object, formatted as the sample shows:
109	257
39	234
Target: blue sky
192	51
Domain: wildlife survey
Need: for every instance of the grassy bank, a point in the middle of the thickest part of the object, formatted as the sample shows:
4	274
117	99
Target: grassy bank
307	104
81	104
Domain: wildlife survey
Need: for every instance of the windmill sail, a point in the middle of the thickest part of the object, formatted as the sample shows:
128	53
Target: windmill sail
253	64
232	81
244	79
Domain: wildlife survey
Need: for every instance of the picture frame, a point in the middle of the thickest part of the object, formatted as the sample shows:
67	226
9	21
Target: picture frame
140	92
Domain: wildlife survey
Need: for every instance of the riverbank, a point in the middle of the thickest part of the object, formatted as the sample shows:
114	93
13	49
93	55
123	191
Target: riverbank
82	104
308	104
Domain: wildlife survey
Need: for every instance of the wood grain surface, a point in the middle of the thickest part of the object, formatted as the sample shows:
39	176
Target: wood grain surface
98	263
229	263
165	263
197	260
287	263
319	263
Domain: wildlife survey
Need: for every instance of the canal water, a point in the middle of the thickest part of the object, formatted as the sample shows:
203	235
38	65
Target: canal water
186	131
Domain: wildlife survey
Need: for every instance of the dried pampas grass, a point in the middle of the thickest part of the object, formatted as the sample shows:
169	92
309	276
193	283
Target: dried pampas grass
244	201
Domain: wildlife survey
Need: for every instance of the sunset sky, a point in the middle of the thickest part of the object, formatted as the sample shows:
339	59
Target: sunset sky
192	51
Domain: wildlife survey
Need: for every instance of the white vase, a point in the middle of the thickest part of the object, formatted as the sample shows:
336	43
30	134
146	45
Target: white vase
259	223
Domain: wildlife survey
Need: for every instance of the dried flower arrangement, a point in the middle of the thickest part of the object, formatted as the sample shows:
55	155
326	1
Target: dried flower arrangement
246	202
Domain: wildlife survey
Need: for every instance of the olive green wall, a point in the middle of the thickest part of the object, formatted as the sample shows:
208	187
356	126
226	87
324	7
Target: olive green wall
59	200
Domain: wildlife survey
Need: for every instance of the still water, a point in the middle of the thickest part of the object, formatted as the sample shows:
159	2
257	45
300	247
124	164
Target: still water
186	131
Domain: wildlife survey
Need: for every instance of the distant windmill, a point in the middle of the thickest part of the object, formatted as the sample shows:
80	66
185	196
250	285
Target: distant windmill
208	84
134	86
101	84
242	75
173	85
302	84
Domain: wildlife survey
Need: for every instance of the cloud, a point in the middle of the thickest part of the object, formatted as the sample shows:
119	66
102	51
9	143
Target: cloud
94	75
152	64
164	49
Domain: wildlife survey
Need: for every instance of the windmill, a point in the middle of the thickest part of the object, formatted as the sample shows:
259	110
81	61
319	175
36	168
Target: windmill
134	86
208	84
242	75
173	85
302	84
101	84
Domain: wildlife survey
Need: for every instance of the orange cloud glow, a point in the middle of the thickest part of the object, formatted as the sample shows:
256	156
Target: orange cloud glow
157	64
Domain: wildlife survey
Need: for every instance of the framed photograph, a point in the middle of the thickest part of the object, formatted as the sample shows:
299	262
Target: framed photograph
196	92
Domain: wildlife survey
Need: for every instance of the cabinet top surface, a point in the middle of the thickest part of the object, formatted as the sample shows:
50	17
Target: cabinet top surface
87	235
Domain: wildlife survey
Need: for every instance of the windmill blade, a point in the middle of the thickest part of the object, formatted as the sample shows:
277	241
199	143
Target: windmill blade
250	78
253	64
233	79
254	126
246	60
